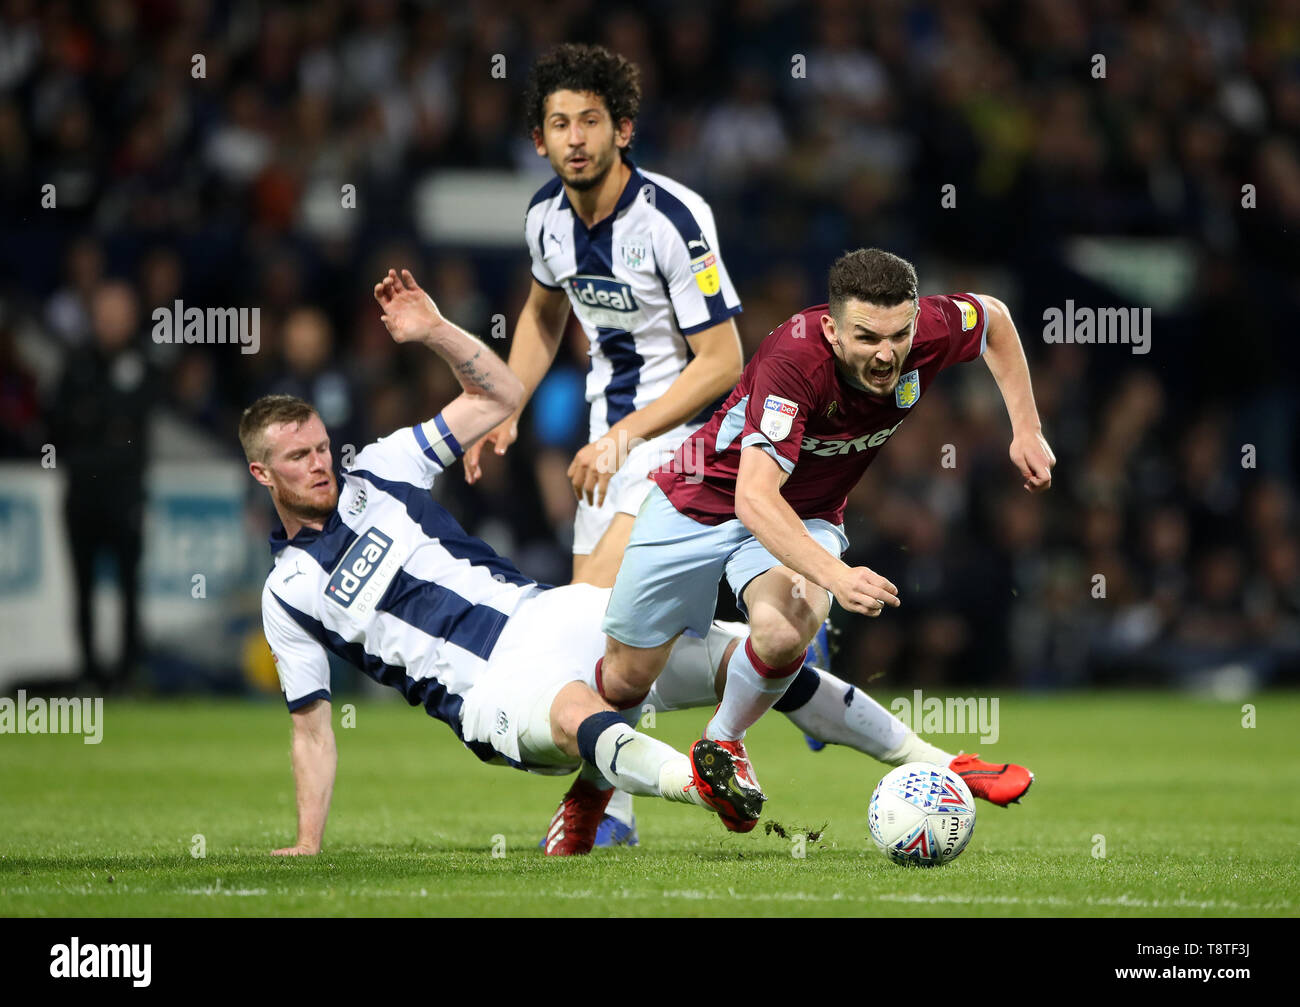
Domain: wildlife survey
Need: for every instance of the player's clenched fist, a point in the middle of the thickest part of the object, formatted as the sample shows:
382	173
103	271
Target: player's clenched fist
861	590
1033	456
409	313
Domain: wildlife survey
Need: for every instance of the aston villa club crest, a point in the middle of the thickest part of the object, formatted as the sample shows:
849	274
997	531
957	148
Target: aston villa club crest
908	390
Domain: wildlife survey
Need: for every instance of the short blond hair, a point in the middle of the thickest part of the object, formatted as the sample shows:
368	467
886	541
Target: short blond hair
268	410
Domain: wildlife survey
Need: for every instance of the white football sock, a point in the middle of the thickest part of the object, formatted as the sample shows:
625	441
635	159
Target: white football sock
594	776
675	783
916	749
746	696
632	761
842	714
620	807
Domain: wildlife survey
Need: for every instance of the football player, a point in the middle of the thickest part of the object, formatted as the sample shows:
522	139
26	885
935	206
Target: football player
819	400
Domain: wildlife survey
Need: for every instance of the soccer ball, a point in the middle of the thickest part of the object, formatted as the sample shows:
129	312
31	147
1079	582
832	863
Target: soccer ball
922	814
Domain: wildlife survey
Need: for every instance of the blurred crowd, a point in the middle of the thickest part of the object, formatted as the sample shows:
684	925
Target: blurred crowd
1168	547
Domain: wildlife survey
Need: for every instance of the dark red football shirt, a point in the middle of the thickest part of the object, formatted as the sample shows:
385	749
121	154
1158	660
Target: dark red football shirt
792	401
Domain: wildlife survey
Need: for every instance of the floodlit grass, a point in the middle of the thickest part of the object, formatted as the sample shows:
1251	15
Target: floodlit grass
1195	811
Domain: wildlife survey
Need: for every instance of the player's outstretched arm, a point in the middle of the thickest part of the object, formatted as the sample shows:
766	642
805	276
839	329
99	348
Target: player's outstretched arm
763	510
491	393
533	347
315	759
1030	452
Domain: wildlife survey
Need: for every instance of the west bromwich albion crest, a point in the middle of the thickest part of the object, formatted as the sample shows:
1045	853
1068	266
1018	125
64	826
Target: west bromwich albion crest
634	252
778	415
908	390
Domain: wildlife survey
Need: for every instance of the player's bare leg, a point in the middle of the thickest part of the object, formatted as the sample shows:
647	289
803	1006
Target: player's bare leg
785	613
600	566
626	673
783	617
584	726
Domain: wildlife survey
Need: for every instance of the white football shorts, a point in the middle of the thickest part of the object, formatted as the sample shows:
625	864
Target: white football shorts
552	639
627	489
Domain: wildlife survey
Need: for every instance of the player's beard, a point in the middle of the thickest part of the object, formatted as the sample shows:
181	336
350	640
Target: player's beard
601	167
309	508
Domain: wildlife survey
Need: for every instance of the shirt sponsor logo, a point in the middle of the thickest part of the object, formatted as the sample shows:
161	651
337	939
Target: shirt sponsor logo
908	390
705	269
968	316
364	573
604	301
830	447
778	415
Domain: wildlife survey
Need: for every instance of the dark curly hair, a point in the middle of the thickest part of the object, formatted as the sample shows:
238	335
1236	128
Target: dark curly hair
591	68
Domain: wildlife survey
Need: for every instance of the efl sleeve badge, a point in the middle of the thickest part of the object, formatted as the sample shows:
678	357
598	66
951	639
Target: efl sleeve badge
968	316
705	269
778	416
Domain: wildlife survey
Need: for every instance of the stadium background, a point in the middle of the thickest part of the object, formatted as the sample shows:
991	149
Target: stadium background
1176	468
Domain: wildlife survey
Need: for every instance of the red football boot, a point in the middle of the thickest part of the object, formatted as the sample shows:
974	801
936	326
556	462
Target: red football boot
573	829
744	768
1000	785
716	772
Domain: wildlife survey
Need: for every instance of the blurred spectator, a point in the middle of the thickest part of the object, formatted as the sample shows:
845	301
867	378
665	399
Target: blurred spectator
21	433
99	425
67	312
310	372
810	130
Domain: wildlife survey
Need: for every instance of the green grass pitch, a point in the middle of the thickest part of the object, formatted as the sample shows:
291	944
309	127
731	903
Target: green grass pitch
1196	811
